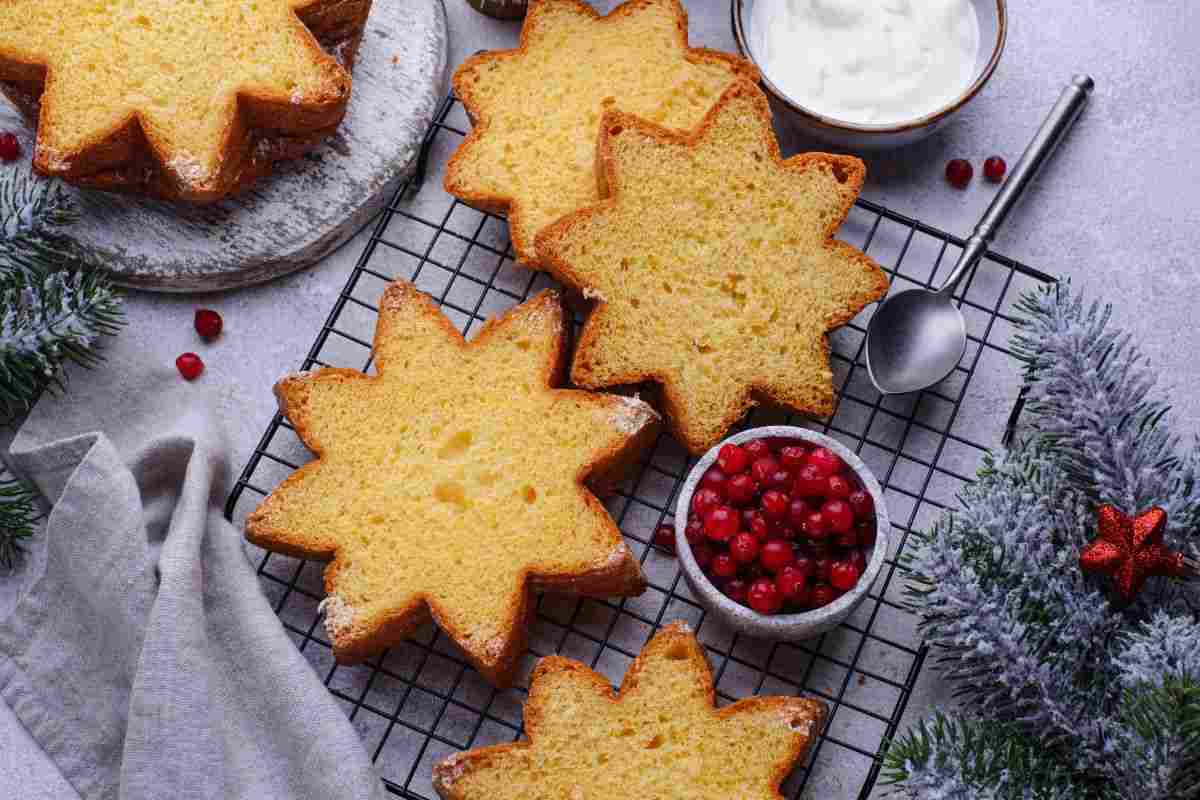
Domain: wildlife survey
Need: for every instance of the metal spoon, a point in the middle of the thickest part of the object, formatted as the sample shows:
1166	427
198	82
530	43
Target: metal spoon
917	337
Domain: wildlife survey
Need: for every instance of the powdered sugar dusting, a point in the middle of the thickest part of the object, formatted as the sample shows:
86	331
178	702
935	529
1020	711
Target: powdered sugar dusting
339	616
632	414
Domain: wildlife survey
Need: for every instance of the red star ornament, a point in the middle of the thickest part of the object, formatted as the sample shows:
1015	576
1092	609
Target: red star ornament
1131	549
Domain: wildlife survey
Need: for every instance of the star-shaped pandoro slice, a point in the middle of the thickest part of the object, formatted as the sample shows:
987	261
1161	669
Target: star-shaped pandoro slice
453	481
167	93
536	109
659	736
714	267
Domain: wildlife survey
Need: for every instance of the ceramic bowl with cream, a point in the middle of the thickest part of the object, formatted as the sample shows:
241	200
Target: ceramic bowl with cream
869	74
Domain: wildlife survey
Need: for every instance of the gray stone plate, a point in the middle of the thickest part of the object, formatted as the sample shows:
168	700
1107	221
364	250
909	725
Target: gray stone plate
309	206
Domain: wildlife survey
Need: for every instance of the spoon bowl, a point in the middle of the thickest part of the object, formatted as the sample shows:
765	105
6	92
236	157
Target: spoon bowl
914	340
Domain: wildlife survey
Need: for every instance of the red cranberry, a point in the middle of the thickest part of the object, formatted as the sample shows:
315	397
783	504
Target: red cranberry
821	568
782	529
815	526
780	479
756	449
703	553
208	324
861	504
740	489
839	516
776	554
723	565
732	459
792	456
721	522
797	511
735	590
959	172
820	595
825	460
844	540
805	564
743	548
705	500
859	560
843	575
775	504
809	481
836	486
764	597
994	169
10	148
791	582
763	469
694	531
714	479
759	526
190	366
664	537
864	533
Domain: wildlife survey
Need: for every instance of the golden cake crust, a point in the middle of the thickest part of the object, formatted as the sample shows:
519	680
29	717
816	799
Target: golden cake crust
451	484
563	175
722	252
264	128
584	741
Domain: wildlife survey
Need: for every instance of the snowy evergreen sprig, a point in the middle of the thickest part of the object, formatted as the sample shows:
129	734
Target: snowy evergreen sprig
54	310
1047	671
18	510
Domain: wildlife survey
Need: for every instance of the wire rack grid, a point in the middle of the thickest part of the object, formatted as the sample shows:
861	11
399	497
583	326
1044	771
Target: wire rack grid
421	701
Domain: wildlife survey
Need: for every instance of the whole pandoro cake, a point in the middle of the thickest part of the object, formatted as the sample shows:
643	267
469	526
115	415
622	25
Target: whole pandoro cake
187	101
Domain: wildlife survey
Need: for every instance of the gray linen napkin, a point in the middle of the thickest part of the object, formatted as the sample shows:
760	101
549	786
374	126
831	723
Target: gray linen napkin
145	660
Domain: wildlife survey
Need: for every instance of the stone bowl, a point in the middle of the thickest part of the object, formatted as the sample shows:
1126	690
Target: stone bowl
786	627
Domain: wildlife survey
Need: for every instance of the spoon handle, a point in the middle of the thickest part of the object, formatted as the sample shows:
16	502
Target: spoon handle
1074	97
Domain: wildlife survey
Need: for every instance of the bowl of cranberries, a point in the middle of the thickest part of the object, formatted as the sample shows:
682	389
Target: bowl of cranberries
781	531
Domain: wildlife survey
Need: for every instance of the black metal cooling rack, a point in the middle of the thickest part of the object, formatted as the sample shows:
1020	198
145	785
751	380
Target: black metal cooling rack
421	701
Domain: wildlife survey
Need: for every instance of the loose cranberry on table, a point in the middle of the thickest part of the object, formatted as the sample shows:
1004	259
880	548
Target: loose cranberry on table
10	147
959	172
664	537
994	169
190	366
208	324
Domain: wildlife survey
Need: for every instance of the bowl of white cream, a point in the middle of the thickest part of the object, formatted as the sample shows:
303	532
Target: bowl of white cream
870	74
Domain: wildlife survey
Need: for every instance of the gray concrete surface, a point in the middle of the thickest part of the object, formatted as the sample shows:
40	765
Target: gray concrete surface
1117	212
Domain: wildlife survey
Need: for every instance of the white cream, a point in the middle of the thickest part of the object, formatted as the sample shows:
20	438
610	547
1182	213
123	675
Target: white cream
870	62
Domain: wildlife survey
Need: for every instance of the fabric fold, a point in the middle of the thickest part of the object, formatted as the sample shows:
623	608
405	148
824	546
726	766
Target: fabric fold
145	661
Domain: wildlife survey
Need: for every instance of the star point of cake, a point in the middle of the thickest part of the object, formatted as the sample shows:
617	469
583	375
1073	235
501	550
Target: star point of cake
660	729
451	483
166	81
714	265
536	109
